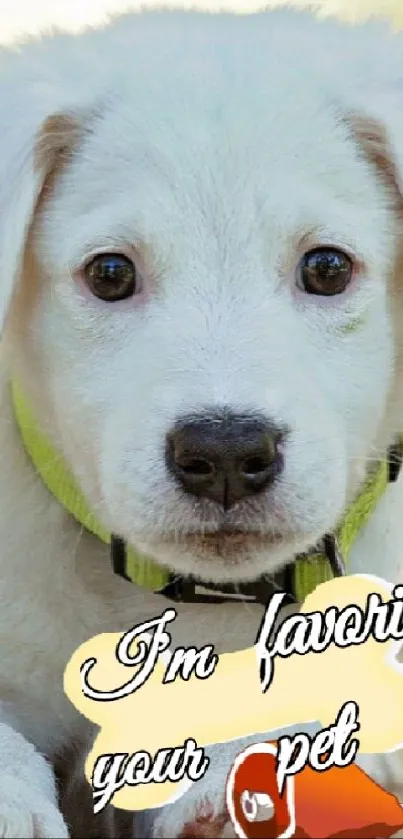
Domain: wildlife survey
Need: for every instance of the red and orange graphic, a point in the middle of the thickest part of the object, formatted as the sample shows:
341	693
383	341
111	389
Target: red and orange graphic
338	803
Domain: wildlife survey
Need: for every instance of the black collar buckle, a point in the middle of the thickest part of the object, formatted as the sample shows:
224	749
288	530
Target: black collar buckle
395	458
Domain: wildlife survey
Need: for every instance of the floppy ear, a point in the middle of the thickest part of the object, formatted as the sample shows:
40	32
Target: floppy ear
376	122
34	139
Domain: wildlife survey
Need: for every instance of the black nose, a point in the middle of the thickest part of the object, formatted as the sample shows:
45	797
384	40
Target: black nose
224	457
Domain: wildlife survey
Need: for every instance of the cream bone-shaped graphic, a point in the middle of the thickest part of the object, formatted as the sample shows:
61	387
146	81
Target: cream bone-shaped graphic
230	704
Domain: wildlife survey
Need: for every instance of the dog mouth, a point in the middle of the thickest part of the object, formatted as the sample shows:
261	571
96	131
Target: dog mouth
229	541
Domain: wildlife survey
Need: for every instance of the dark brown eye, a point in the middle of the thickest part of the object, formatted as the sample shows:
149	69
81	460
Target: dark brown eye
325	271
111	277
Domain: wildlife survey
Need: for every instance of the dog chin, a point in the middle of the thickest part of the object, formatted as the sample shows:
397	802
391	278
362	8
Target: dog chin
226	557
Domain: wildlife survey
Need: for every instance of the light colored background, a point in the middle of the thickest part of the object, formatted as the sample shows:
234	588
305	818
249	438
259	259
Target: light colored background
20	16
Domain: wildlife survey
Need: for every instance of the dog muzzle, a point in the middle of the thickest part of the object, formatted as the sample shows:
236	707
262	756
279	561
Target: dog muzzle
326	560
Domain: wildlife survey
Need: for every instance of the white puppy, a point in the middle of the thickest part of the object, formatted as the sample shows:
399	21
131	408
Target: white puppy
200	237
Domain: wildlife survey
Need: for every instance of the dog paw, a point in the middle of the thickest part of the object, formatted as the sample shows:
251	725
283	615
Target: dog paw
201	812
25	814
205	823
202	820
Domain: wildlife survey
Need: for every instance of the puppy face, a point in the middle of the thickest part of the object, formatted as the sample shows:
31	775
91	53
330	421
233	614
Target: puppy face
207	337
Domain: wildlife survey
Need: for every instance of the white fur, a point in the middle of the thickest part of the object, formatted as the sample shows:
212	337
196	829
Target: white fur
217	149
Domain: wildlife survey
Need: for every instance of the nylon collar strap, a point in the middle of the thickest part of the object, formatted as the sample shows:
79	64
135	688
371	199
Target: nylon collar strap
302	577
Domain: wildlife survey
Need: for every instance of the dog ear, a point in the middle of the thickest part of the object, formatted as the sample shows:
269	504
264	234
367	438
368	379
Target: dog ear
377	127
35	138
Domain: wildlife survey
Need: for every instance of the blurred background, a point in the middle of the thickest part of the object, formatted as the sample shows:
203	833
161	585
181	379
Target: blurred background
31	16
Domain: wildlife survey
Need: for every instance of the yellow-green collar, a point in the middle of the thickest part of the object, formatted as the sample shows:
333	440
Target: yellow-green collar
308	571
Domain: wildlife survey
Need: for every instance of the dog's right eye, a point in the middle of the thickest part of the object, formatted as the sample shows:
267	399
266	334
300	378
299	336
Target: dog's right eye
111	277
325	271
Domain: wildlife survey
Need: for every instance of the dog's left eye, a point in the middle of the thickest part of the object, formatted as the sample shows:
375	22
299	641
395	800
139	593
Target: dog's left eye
111	277
325	271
